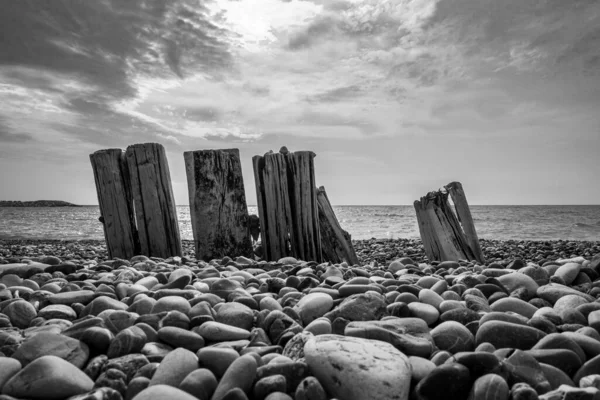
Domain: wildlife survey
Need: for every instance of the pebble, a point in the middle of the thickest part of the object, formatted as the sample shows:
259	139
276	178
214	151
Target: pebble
525	324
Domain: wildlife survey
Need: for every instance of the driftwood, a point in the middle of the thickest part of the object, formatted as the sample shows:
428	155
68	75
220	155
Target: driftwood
287	205
335	242
116	205
441	232
155	210
218	209
464	217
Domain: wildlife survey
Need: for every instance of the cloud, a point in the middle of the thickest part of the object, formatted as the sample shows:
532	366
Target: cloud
8	135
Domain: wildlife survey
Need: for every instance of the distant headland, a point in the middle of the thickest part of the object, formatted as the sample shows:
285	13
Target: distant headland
37	203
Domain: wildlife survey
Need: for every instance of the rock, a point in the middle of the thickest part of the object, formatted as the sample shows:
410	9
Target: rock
453	337
52	344
568	272
129	364
516	281
175	367
235	314
8	368
127	341
265	386
351	368
310	389
293	372
200	383
162	392
178	337
490	387
313	306
446	382
367	306
240	374
57	311
554	291
505	334
170	303
20	313
426	312
48	377
217	360
218	332
565	392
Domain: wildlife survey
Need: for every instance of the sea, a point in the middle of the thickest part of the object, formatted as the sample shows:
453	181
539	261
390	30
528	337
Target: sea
579	222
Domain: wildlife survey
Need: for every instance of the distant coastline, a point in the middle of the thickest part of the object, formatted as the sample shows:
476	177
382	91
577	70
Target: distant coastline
37	203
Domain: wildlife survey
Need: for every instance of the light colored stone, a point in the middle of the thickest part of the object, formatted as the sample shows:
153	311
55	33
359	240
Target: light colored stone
353	368
313	306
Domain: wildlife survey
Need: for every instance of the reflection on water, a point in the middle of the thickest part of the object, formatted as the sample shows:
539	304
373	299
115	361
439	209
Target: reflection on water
362	222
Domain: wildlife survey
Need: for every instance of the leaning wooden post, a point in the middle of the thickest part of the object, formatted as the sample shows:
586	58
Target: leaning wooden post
441	233
218	209
335	242
287	205
116	205
464	217
155	210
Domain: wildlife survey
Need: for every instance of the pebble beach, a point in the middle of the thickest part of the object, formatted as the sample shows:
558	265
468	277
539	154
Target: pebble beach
524	325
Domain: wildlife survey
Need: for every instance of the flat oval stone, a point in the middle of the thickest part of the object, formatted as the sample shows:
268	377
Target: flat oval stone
68	298
515	305
490	387
426	312
505	334
128	341
568	272
218	332
48	377
161	392
20	313
59	311
170	303
235	314
216	359
570	301
516	280
175	367
179	337
200	383
240	374
446	382
313	306
351	368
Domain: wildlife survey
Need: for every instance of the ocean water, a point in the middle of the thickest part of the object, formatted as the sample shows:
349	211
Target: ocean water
362	222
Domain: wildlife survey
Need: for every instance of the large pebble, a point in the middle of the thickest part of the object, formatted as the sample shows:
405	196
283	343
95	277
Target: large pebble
354	368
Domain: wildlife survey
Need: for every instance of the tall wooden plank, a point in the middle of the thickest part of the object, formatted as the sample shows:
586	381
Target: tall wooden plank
218	209
153	199
115	200
465	218
258	165
336	243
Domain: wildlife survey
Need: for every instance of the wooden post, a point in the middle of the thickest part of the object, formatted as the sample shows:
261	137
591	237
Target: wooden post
155	210
287	205
464	217
218	209
441	233
335	242
116	205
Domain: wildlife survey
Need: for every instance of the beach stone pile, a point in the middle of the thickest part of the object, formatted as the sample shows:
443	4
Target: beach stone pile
82	328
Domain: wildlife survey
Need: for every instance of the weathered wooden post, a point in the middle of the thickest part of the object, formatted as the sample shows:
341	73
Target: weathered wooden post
441	232
287	205
155	210
218	209
464	217
335	242
116	205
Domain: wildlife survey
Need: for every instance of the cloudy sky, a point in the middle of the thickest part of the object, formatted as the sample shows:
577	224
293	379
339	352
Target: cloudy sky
396	97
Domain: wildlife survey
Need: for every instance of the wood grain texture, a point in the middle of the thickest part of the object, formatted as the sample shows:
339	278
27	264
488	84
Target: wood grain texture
155	210
218	209
457	194
336	243
111	176
287	205
441	233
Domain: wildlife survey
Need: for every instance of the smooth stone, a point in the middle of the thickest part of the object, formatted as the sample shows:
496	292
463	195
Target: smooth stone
561	341
130	364
294	372
453	337
590	346
218	332
320	326
564	359
170	303
461	315
48	377
446	382
367	306
515	305
235	314
523	367
420	368
310	389
505	317
269	303
217	360
516	280
568	272
179	337
240	374
426	312
97	338
20	313
479	363
8	368
554	291
117	320
51	344
565	392
224	287
567	302
103	303
489	387
590	367
409	335
58	311
313	306
200	383
162	392
270	384
128	341
351	368
556	376
505	334
174	367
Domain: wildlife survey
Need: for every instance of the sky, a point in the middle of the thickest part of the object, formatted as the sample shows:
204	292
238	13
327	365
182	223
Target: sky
396	97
